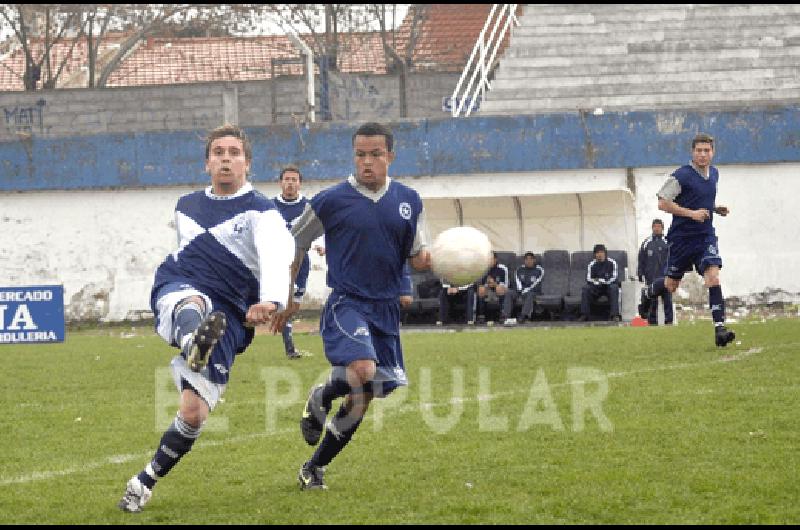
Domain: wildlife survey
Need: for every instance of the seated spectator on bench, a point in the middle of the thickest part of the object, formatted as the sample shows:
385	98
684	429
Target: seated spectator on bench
601	280
528	279
451	296
492	288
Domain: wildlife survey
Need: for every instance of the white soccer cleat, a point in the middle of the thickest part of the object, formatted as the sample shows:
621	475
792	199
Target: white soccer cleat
510	322
136	496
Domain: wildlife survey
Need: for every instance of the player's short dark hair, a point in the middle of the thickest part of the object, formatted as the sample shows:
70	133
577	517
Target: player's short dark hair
703	138
290	168
376	129
230	130
531	254
657	222
598	247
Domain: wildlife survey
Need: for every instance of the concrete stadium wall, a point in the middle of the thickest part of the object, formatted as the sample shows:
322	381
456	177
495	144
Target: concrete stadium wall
426	147
95	212
70	112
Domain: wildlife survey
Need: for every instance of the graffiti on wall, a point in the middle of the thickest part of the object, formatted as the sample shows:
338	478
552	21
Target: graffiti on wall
25	119
355	97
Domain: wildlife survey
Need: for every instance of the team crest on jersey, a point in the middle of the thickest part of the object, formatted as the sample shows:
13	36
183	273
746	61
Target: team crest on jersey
405	210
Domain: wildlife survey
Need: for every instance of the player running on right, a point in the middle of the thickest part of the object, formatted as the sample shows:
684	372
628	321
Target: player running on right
690	196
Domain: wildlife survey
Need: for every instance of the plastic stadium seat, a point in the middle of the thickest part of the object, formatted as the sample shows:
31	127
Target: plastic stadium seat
426	287
555	282
579	262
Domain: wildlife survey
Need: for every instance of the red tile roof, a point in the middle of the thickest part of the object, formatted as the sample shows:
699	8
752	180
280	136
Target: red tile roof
12	67
448	34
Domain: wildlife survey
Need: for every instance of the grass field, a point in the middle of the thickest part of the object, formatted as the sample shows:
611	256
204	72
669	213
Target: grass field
580	425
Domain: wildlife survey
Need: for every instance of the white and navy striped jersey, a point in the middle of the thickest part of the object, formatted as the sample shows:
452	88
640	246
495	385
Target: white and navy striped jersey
234	248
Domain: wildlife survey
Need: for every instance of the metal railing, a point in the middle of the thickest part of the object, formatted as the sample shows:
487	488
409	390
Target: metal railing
480	62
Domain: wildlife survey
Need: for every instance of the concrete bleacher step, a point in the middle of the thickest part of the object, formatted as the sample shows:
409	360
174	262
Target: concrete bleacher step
523	68
648	88
691	57
675	78
752	33
788	22
639	56
674	100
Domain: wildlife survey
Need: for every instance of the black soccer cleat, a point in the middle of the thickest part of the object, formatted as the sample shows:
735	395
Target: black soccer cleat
644	304
310	477
293	354
314	414
204	339
723	336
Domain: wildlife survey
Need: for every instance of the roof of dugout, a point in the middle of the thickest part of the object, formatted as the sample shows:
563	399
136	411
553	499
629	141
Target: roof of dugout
570	210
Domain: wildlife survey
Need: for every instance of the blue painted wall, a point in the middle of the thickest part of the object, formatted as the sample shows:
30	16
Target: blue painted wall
424	147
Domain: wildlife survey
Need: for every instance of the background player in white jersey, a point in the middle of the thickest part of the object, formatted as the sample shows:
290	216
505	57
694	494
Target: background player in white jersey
231	267
372	224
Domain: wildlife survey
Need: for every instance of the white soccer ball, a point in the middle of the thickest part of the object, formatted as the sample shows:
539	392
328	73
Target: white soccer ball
461	255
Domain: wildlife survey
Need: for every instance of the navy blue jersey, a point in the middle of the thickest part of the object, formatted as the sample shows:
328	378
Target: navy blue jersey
234	248
500	274
368	236
602	272
291	210
652	258
694	192
408	288
529	278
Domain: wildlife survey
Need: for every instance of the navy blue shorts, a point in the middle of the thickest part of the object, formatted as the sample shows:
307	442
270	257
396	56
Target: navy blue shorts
356	329
692	252
235	340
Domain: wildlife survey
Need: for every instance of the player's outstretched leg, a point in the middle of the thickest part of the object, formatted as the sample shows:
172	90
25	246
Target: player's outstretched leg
649	295
338	433
176	441
288	341
198	349
314	415
722	335
319	403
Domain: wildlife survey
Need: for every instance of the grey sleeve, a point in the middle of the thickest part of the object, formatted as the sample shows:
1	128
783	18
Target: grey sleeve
306	228
421	237
670	189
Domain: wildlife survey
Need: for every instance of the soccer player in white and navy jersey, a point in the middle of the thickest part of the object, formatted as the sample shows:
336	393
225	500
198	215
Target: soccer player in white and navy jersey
231	268
372	224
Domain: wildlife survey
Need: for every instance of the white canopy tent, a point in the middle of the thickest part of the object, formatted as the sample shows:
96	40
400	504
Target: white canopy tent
520	212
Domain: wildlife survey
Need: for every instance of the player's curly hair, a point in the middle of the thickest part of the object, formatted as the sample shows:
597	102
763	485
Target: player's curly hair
230	130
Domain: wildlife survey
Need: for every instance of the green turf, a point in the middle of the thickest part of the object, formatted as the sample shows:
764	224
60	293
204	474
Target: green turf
688	433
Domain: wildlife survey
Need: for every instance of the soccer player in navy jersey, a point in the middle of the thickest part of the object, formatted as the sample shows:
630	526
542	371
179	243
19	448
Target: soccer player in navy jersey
689	194
372	224
231	267
291	203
